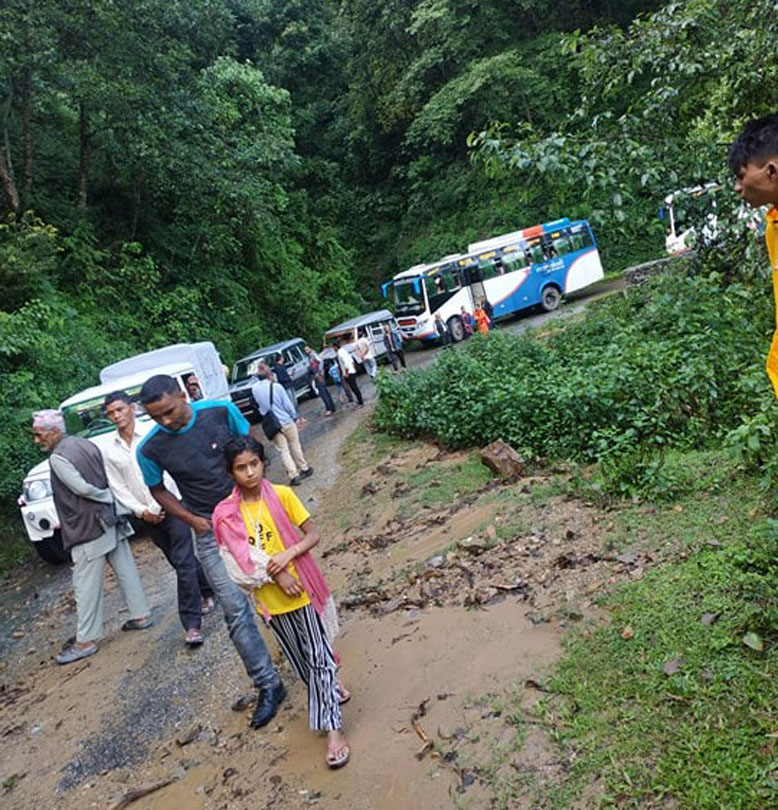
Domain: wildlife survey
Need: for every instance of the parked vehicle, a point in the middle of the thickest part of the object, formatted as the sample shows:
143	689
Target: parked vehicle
84	416
514	271
244	374
348	332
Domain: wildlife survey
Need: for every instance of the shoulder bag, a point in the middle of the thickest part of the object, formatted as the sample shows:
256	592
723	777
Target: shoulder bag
270	424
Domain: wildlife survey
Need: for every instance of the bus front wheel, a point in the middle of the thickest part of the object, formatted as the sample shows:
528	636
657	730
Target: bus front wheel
456	329
550	299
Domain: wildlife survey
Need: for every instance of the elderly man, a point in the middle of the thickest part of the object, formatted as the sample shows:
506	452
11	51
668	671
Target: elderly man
171	535
272	396
88	519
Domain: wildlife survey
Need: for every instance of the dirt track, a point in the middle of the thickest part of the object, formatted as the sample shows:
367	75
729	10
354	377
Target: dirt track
443	630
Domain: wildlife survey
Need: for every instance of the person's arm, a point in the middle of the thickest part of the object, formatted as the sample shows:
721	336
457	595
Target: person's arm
172	506
117	474
278	562
76	483
238	424
282	403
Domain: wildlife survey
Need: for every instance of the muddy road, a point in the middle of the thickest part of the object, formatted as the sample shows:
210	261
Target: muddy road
451	591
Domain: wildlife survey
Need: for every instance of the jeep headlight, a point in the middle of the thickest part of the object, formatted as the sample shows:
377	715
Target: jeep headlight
36	490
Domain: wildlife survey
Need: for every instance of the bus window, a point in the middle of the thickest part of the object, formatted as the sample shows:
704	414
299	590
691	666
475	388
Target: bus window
513	259
488	269
561	242
580	237
450	279
535	250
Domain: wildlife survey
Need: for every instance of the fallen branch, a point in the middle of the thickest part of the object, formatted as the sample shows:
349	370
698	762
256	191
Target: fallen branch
138	793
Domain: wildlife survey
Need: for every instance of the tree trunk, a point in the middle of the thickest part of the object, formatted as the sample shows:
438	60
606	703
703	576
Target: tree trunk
27	146
83	163
7	181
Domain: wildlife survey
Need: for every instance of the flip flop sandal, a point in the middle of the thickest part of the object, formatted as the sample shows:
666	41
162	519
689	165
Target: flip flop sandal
344	696
209	605
72	654
193	638
338	758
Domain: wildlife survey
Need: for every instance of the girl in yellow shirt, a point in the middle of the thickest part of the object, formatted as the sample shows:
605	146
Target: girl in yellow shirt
297	603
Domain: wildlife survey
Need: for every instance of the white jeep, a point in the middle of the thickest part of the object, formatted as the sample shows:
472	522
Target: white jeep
84	416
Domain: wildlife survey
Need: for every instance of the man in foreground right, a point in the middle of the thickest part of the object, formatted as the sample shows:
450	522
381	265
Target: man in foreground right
753	159
188	443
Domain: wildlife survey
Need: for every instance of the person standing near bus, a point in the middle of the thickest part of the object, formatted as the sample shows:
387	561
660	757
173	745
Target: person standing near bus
481	320
366	354
489	310
753	159
348	371
442	330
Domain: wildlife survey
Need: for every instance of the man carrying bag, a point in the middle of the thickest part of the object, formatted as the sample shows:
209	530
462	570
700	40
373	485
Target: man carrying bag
278	424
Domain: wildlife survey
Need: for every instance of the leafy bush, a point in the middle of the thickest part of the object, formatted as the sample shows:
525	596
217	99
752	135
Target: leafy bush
672	364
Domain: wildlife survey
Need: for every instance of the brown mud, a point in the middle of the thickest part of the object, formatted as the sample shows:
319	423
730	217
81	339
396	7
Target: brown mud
451	595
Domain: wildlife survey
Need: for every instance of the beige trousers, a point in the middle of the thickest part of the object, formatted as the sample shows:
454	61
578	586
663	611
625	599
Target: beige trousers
287	442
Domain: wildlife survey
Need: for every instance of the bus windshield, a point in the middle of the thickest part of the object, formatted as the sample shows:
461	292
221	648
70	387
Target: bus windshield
408	296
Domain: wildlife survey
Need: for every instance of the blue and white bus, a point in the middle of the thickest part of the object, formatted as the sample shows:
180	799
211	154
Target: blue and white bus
521	269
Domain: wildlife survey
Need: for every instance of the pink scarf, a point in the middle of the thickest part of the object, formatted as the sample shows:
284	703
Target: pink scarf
310	574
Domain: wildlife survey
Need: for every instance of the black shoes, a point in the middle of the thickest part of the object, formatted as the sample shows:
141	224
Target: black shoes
307	473
267	704
296	481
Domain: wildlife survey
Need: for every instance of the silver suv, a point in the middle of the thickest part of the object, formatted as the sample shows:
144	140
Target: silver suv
244	373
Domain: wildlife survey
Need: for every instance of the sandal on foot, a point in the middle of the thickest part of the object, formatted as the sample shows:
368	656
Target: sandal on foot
344	696
71	654
138	624
337	759
193	637
209	605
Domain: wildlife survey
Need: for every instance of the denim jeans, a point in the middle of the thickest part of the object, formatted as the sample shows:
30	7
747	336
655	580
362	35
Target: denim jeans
238	613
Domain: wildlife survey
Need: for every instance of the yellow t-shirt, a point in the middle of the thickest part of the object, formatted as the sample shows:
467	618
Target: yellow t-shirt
258	521
771	235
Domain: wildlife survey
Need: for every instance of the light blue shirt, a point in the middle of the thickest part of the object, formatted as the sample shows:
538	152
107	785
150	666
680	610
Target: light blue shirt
282	406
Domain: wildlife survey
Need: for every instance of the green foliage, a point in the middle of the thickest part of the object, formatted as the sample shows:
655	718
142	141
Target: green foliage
657	368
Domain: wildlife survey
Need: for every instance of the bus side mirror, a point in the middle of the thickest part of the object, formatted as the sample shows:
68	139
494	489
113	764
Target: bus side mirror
385	288
662	212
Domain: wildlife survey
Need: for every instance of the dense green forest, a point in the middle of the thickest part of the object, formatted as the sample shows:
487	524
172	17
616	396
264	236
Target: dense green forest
241	170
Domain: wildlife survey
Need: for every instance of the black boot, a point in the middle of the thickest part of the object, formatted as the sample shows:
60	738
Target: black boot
267	703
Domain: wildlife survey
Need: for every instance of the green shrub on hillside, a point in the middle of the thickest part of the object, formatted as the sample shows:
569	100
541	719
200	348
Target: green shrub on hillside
668	364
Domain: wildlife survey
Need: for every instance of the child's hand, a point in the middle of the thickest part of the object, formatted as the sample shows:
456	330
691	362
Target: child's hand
278	562
288	584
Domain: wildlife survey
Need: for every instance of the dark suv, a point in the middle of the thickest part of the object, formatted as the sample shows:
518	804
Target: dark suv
243	373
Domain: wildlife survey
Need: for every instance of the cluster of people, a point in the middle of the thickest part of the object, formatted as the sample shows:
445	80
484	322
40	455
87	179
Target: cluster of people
481	320
194	481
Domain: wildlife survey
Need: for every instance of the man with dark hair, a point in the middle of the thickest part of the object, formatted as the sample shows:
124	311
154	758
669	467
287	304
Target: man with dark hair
171	535
91	529
753	159
287	383
348	370
188	443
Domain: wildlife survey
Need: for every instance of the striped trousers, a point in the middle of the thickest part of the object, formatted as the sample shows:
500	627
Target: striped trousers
301	636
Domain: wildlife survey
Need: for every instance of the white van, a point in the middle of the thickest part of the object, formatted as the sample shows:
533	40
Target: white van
348	332
84	416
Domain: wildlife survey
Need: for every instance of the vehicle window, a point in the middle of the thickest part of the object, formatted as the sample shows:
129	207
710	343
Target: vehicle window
580	237
560	241
88	418
294	354
488	269
513	259
535	249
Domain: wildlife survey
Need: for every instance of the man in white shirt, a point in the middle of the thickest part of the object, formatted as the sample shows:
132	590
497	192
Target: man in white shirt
287	440
171	535
348	371
366	354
